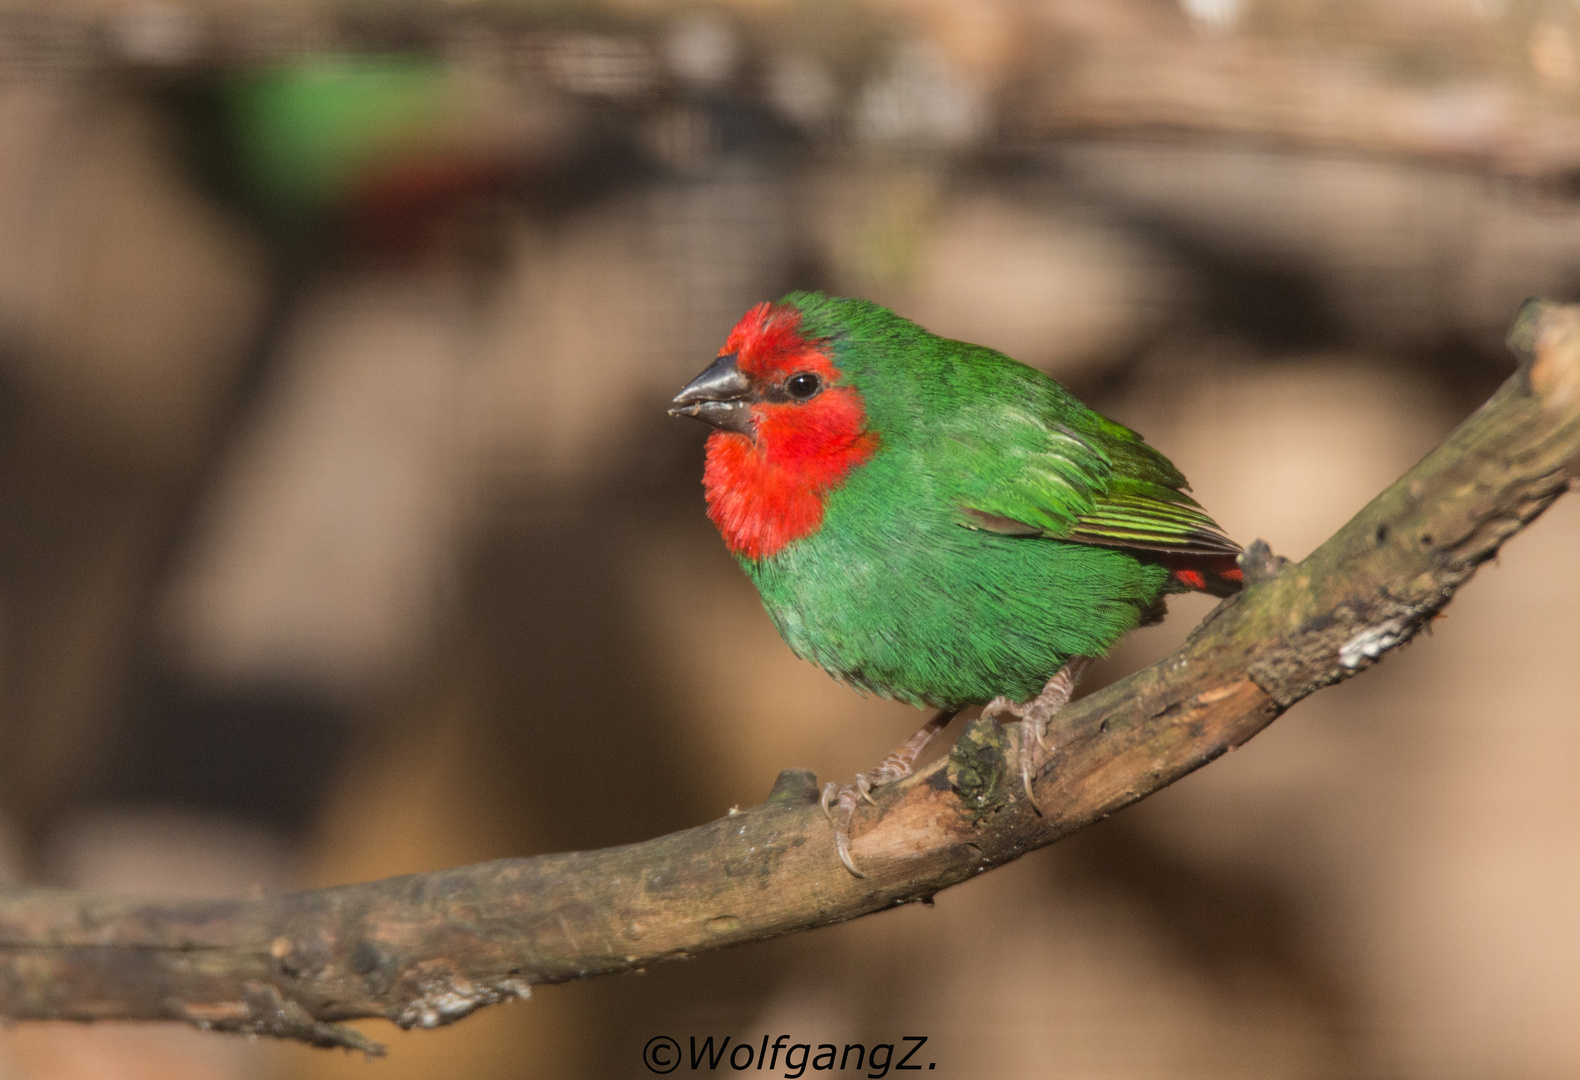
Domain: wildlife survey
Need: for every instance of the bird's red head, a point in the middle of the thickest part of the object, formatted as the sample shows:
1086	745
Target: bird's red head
790	430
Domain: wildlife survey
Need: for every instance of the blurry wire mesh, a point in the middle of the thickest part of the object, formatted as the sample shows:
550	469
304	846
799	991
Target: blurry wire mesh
345	533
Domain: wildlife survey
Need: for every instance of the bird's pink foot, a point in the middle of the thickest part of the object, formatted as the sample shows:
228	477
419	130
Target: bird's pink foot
1034	716
898	765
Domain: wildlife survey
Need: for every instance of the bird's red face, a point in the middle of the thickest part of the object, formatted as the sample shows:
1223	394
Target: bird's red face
789	431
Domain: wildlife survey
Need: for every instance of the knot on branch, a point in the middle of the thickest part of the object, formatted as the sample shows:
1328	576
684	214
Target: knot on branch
435	994
979	764
794	786
1545	336
1258	563
263	1010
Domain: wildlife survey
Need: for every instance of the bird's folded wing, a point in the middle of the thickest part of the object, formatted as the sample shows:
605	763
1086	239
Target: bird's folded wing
1107	488
1154	518
1022	477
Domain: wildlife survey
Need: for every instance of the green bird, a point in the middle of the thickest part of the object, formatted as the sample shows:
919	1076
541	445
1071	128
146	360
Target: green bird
935	522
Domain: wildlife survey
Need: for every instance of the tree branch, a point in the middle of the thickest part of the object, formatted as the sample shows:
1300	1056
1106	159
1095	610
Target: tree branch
1464	92
1298	95
428	949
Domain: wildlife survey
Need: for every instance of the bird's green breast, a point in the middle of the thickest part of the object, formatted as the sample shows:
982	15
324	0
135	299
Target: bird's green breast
892	595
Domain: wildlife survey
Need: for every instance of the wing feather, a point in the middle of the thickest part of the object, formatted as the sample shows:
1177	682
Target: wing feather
1082	478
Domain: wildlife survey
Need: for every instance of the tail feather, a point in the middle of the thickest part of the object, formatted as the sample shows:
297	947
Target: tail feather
1217	576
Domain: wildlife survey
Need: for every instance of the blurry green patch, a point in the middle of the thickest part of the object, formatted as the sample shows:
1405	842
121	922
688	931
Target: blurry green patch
307	132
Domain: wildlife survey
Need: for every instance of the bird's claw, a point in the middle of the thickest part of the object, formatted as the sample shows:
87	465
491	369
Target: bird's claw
842	845
1025	779
897	766
1034	716
842	796
1031	727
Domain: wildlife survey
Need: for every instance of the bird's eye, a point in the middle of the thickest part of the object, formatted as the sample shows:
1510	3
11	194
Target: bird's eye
804	385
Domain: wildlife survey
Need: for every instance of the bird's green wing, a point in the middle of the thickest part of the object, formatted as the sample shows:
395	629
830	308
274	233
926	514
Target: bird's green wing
1062	471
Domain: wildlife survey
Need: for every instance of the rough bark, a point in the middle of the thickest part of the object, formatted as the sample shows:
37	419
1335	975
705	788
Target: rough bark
428	949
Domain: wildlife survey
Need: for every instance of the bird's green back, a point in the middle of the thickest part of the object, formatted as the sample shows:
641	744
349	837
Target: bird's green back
1016	451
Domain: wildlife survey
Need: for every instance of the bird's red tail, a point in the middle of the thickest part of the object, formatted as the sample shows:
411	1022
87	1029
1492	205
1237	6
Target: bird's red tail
1217	575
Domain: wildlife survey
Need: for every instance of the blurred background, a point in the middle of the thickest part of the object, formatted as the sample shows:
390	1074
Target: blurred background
343	532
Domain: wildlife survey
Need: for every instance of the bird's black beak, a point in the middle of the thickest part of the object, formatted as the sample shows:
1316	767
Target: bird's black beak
720	396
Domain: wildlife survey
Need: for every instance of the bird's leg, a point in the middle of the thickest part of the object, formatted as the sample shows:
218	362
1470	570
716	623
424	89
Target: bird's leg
1035	714
896	766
